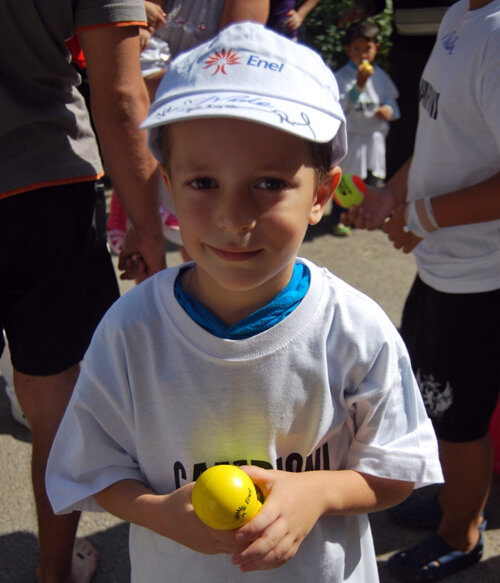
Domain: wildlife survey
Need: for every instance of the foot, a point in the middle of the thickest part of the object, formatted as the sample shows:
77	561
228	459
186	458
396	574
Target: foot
432	559
341	230
84	562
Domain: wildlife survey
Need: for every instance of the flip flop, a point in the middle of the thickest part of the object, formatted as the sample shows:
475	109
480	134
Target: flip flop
432	559
417	512
84	561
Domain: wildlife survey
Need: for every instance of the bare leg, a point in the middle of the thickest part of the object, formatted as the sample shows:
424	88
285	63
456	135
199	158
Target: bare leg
44	400
468	470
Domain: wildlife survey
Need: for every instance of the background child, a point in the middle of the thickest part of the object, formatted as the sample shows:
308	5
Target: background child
369	100
248	355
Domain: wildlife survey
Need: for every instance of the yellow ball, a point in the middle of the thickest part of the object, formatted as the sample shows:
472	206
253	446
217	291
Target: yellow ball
224	497
367	66
350	191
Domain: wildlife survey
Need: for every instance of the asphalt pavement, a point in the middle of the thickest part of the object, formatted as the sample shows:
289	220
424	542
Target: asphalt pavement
365	260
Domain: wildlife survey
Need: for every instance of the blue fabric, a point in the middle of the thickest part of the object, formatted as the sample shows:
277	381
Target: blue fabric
262	319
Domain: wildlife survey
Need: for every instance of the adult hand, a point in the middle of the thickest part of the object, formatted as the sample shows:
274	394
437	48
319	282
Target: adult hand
155	15
377	206
142	254
393	227
294	20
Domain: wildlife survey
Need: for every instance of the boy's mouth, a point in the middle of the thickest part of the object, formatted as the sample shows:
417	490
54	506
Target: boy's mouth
234	254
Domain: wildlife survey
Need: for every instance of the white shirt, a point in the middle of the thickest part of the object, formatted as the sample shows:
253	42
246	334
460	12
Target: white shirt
159	398
365	132
458	144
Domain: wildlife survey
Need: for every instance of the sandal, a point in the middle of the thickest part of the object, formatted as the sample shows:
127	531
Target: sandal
340	230
432	559
417	512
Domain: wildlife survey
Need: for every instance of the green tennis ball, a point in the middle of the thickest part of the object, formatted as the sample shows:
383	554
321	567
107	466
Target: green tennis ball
350	191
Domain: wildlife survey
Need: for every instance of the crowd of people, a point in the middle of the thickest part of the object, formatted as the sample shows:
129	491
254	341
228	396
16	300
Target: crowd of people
247	354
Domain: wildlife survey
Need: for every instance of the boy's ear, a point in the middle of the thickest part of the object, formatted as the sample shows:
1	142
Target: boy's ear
165	176
325	191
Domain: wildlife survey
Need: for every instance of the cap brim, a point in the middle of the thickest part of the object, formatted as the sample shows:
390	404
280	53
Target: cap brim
285	115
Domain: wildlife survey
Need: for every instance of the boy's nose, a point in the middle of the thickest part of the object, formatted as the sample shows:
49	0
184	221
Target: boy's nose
236	213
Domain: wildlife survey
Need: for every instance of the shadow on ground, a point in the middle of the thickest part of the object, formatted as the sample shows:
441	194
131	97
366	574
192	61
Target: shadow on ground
18	556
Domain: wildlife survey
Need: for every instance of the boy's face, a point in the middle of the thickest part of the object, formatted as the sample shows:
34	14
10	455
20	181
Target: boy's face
244	196
361	50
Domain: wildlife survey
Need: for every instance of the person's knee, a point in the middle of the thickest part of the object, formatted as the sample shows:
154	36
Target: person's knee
44	399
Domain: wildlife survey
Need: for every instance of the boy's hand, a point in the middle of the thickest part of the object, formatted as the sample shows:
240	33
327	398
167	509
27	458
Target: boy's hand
377	206
384	112
393	227
186	528
289	513
363	75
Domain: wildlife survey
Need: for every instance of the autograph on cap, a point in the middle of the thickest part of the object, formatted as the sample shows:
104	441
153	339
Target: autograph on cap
241	102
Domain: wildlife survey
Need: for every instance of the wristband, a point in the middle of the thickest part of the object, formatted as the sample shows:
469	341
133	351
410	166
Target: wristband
430	212
419	220
354	94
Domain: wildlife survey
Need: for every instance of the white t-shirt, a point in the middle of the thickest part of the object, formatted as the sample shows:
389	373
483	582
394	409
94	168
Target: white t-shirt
458	144
159	399
365	132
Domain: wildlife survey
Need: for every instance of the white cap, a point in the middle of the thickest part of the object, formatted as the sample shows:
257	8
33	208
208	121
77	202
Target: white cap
250	72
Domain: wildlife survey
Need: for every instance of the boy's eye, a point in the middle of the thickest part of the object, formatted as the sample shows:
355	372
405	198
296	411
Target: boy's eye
271	183
202	183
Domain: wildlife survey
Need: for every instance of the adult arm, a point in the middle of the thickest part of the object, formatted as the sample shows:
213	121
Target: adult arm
477	203
239	10
297	17
119	104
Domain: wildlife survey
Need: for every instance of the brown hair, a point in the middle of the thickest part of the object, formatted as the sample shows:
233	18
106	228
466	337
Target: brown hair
364	29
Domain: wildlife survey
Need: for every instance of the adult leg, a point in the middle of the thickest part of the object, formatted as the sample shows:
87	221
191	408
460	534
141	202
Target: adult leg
468	469
54	292
460	399
44	400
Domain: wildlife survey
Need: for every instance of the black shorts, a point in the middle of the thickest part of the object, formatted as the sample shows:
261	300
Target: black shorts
454	341
56	277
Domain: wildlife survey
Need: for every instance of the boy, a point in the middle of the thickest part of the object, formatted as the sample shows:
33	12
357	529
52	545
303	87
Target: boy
369	100
247	355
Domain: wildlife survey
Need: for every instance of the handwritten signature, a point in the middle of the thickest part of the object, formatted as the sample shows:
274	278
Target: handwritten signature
247	102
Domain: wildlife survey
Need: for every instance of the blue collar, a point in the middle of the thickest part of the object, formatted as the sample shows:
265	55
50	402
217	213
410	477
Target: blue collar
262	319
